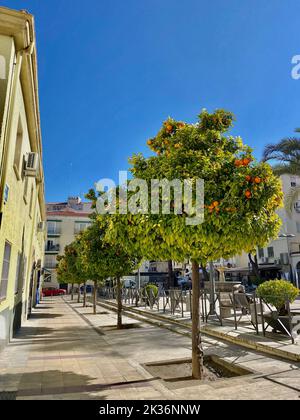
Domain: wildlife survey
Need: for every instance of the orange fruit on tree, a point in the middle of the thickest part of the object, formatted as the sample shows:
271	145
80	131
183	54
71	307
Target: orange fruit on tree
257	180
248	194
237	162
215	203
169	127
248	178
246	161
149	142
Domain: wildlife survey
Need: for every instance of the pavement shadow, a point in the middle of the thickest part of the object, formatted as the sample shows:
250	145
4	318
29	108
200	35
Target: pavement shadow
38	315
57	383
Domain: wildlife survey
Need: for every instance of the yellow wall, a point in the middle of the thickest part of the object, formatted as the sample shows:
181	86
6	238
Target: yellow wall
17	217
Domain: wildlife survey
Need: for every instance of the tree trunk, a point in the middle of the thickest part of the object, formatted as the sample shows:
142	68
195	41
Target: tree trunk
84	294
170	274
72	291
254	265
78	296
197	351
95	298
119	302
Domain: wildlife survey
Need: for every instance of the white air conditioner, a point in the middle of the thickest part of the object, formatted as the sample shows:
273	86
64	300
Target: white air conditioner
31	164
41	227
297	206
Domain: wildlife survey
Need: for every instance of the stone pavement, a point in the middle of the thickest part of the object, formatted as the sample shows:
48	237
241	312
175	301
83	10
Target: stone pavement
66	352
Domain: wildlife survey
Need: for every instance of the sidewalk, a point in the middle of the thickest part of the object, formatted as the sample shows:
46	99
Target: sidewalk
65	352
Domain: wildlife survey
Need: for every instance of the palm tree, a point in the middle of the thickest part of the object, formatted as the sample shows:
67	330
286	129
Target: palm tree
287	155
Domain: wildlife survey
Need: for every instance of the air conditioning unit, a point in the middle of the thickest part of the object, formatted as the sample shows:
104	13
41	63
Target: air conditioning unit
297	206
41	227
31	164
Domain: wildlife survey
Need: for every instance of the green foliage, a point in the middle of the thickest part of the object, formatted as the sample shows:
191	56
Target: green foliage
241	195
70	268
150	288
102	259
276	292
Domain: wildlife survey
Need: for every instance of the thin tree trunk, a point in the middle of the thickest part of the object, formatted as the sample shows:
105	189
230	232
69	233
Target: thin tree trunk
170	274
78	296
119	302
95	298
84	294
197	351
254	265
72	291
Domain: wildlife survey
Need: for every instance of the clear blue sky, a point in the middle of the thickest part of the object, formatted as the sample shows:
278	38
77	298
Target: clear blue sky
111	71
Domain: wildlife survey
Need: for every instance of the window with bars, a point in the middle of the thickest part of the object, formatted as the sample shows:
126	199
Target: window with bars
5	270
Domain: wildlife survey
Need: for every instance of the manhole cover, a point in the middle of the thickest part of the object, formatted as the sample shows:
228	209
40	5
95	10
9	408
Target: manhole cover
8	395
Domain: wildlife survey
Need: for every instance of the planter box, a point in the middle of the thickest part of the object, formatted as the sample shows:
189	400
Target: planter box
273	319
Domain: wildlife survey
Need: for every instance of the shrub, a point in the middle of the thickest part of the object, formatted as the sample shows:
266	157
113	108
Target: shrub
276	292
151	287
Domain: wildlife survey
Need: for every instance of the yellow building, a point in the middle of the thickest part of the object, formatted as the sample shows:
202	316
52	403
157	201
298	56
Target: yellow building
22	208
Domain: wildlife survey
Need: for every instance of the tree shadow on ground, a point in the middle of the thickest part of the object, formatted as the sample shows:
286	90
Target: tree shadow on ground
56	383
29	333
37	315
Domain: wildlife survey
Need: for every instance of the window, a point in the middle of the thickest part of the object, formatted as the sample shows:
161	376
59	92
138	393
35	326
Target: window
18	273
18	150
80	226
31	202
53	227
261	253
50	261
293	182
270	252
5	270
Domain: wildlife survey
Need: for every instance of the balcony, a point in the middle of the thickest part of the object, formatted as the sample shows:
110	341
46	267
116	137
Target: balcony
52	249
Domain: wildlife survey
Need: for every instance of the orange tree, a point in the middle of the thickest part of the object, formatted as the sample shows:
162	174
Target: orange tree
103	260
69	267
240	199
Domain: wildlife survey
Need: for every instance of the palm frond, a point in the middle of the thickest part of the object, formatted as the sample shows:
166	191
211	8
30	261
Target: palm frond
287	150
290	199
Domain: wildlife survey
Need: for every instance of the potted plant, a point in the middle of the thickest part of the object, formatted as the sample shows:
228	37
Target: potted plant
278	293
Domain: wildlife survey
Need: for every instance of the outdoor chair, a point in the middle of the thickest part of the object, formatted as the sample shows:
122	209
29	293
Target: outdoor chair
242	303
225	305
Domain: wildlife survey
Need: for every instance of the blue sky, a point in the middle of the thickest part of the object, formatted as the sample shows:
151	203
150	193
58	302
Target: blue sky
111	71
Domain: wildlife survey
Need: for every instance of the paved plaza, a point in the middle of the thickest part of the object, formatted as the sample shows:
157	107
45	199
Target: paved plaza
66	352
